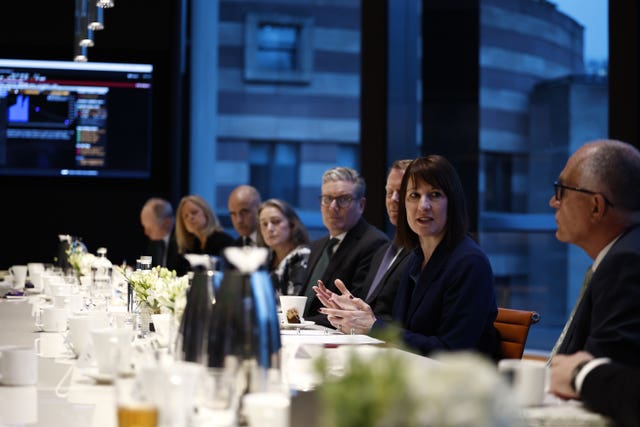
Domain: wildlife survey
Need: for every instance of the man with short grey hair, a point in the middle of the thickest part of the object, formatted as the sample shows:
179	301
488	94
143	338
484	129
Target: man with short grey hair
346	252
597	202
158	220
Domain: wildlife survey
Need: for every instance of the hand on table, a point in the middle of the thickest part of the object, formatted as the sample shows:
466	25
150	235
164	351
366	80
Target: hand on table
562	367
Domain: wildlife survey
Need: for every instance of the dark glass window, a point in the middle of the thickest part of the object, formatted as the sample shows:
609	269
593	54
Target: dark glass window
498	170
274	171
277	46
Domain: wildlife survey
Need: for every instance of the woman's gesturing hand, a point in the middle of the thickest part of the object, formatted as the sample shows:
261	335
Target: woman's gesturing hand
345	312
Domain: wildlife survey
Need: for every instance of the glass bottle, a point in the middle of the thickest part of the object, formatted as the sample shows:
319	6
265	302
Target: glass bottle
244	330
191	341
101	271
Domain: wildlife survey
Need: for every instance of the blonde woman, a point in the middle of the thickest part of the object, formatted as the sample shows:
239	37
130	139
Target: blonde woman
198	229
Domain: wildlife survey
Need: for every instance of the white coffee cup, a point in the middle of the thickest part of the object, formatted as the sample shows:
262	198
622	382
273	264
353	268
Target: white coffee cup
60	288
122	319
113	350
19	274
527	379
79	335
99	318
48	280
71	302
52	319
18	405
266	409
36	269
51	345
18	366
162	325
289	302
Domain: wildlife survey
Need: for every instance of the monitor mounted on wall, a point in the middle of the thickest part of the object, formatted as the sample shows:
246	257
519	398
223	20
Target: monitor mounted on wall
88	119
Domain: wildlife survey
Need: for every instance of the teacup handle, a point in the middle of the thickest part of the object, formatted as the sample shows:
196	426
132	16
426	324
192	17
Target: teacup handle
61	390
36	344
38	322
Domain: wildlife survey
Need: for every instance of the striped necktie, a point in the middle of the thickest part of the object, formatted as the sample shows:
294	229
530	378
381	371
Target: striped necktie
389	256
585	283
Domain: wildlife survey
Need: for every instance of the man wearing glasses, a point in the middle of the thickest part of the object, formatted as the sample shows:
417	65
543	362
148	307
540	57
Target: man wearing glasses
597	202
346	252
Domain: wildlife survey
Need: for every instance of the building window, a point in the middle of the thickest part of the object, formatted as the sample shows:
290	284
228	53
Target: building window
498	171
278	48
274	170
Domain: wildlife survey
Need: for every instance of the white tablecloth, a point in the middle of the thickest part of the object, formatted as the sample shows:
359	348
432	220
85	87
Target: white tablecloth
77	400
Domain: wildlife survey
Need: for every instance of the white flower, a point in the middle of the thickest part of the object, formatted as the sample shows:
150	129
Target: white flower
384	388
81	261
465	390
160	288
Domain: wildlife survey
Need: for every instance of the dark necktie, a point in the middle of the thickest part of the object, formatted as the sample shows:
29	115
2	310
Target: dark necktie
389	255
585	283
320	266
246	241
162	248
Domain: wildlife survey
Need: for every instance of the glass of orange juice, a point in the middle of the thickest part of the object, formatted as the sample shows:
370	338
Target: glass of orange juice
135	405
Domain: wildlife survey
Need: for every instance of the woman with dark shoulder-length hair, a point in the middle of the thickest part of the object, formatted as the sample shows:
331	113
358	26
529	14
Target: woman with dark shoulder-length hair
446	299
282	231
198	230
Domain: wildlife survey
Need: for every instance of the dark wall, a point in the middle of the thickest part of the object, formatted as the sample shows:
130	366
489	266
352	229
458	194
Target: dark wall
104	212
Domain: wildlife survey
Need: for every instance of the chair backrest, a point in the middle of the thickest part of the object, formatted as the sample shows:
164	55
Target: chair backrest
513	327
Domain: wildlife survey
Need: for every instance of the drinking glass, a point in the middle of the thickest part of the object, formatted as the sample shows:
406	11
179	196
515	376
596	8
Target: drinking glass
135	406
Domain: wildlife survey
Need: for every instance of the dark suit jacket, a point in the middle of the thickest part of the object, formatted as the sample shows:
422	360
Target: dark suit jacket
214	245
614	390
156	249
607	321
450	304
350	263
383	297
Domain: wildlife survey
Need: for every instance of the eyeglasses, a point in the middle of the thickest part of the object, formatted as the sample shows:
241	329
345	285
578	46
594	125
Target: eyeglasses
558	189
341	201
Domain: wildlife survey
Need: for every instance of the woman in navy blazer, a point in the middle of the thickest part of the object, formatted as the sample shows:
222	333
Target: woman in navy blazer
446	299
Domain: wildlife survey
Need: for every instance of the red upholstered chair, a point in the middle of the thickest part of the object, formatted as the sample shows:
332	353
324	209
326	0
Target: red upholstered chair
513	327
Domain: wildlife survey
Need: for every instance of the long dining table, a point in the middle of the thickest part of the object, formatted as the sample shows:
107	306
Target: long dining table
64	397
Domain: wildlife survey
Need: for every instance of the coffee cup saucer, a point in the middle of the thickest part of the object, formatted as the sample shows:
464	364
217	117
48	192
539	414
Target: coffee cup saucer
303	324
102	378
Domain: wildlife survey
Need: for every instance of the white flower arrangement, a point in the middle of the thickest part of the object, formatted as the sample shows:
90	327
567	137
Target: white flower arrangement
160	289
388	389
464	390
80	260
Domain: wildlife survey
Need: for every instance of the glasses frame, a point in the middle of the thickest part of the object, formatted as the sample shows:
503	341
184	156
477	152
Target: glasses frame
558	187
343	201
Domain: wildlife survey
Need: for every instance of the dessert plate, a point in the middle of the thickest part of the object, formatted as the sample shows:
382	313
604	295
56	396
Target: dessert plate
286	325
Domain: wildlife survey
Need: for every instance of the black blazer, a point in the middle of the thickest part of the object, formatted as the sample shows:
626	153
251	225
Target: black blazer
614	390
450	304
156	249
607	321
214	245
383	297
350	263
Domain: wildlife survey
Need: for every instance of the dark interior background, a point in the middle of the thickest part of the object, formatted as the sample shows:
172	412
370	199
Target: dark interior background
104	212
33	211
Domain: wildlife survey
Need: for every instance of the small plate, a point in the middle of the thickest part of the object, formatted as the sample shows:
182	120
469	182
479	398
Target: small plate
286	325
99	378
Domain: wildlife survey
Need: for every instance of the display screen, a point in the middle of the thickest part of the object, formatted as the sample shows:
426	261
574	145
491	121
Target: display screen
61	118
